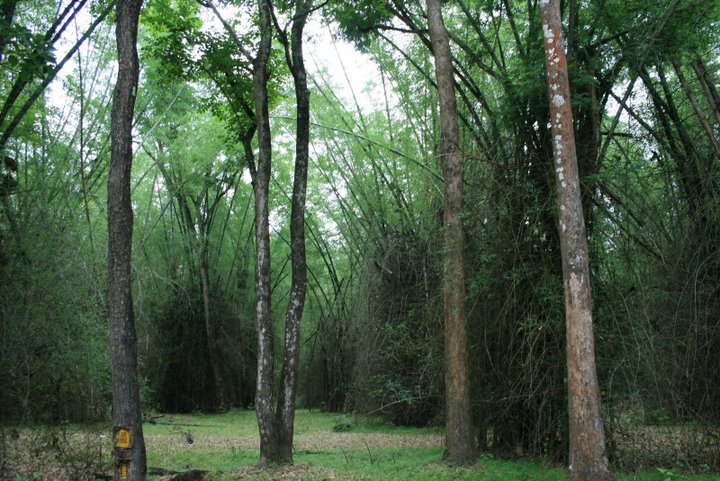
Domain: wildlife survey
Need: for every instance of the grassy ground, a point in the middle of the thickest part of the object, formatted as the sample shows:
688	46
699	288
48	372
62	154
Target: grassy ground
226	445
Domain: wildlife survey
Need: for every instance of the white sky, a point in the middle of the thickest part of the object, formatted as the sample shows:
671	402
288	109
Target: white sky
350	70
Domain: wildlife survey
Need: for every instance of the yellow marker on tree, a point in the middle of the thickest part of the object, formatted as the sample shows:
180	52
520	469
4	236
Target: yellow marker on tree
123	439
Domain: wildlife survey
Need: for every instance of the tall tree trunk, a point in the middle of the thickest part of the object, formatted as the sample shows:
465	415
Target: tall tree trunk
263	317
130	461
587	458
276	431
459	434
296	303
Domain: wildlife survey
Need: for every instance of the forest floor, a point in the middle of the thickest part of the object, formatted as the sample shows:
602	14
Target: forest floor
225	447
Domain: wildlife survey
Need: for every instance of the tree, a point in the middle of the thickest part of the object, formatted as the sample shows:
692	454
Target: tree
276	429
269	446
296	304
459	433
587	458
130	460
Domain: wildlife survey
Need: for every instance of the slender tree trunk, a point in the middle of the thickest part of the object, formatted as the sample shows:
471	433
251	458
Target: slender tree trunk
708	87
296	303
81	148
696	105
276	431
459	433
130	461
263	317
588	459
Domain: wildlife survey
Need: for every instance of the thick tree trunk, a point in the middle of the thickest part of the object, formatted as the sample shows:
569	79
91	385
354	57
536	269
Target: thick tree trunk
296	303
130	461
587	458
459	433
269	444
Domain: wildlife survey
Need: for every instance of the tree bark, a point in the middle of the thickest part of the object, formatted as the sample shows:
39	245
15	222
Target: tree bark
587	458
276	429
263	316
459	433
296	303
130	460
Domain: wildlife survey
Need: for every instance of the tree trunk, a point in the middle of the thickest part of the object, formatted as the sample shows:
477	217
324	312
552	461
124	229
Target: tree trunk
130	461
695	104
296	303
269	444
459	433
708	87
276	429
587	457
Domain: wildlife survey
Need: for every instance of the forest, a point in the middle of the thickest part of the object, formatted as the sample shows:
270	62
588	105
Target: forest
492	223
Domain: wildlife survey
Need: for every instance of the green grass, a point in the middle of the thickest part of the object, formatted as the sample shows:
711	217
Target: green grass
225	444
231	423
425	464
229	432
243	423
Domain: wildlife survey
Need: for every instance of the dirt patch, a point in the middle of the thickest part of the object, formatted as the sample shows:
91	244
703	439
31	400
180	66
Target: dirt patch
362	440
304	442
295	471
